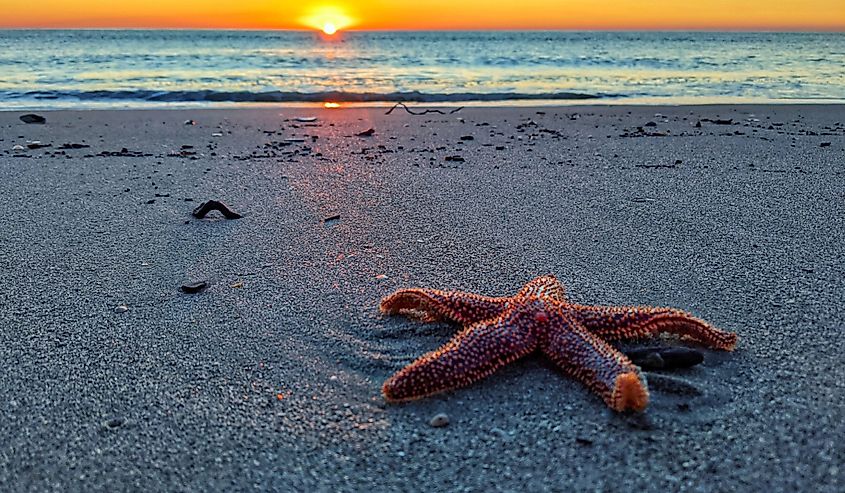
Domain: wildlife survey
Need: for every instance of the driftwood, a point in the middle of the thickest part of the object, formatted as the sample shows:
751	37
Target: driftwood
423	112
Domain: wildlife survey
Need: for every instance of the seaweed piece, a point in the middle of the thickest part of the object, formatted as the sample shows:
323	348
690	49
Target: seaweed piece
215	205
423	112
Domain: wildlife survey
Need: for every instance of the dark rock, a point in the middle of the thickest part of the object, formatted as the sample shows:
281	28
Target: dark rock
824	144
651	361
650	124
73	146
37	145
583	441
367	133
190	122
194	287
500	148
332	219
698	124
457	159
33	118
467	137
214	205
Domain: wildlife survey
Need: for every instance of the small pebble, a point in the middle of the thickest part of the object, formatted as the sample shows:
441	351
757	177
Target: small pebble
113	423
194	287
439	420
121	309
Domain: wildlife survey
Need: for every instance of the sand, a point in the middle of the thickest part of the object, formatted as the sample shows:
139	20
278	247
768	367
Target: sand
270	378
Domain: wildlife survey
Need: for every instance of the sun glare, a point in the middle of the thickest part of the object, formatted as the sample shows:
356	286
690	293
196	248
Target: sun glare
328	19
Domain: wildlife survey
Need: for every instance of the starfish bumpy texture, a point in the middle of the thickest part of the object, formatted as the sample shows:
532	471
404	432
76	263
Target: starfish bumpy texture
497	331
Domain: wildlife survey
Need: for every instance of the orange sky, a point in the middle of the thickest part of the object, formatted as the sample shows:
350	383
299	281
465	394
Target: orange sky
431	14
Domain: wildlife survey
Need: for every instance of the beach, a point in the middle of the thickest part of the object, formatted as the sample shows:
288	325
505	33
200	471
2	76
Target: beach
270	378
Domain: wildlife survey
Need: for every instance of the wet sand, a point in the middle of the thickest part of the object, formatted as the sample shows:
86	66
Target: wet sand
270	378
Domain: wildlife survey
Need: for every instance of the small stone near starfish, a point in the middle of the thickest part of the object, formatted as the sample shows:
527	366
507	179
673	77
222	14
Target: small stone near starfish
498	331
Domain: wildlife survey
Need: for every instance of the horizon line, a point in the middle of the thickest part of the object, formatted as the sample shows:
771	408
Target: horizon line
785	30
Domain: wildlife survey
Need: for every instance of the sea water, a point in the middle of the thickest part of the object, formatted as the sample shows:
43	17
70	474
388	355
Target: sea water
139	68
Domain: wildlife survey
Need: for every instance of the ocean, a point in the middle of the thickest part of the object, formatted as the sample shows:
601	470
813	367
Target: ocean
139	68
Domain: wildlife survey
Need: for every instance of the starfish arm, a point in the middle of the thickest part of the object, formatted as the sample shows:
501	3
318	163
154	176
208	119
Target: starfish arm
431	305
544	287
595	363
634	322
473	354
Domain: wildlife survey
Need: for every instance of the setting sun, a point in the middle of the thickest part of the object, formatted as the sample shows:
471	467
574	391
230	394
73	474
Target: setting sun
327	18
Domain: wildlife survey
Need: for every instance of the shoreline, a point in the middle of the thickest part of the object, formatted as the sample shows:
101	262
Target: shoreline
598	102
271	375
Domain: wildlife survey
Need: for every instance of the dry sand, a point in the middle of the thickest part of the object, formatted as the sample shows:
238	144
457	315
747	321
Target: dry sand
270	378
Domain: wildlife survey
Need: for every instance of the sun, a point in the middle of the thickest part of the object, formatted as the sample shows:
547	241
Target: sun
328	19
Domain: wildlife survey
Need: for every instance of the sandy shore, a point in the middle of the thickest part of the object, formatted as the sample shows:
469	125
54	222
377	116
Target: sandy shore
270	378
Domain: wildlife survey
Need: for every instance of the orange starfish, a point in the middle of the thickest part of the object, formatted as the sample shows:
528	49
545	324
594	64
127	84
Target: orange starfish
497	331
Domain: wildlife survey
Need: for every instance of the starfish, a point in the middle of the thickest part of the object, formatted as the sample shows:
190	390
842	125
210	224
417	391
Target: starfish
499	330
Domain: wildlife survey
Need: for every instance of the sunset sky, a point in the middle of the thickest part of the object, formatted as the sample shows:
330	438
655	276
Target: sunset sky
431	14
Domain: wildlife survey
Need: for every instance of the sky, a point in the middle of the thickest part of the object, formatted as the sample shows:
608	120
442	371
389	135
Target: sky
768	15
